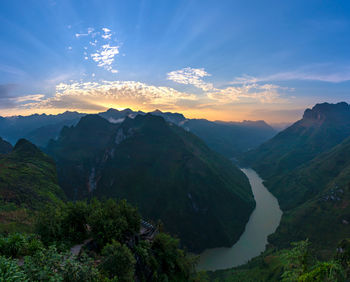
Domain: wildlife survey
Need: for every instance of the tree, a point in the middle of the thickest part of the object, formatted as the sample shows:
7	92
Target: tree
118	261
169	262
113	221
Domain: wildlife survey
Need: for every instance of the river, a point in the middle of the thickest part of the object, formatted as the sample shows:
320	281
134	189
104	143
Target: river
263	221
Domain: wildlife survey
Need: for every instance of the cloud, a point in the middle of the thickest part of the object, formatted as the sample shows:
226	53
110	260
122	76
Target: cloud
319	72
6	100
33	97
105	57
105	94
107	33
190	76
90	30
246	88
266	93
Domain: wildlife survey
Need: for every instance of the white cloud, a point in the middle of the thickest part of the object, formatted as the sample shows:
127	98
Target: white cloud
98	95
105	57
246	88
317	72
107	33
69	48
266	93
191	76
34	97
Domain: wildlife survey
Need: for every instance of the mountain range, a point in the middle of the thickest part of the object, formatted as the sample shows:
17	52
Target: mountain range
227	138
166	171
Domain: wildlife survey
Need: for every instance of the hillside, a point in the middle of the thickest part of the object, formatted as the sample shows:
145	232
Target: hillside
307	167
5	147
320	129
168	173
321	200
28	181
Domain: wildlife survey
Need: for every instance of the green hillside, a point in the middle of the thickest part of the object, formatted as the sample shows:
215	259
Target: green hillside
28	181
317	196
168	173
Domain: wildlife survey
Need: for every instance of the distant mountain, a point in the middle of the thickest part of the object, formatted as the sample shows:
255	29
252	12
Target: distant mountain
35	126
320	129
170	174
28	177
229	139
5	147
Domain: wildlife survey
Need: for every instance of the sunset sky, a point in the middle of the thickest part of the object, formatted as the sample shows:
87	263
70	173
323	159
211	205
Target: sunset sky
220	60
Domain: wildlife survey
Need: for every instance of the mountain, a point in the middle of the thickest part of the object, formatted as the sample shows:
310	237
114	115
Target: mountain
317	199
230	139
28	176
5	147
16	127
167	172
28	181
320	129
307	167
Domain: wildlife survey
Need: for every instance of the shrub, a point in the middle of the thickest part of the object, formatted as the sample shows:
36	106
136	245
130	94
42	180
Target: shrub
17	245
113	221
118	261
10	271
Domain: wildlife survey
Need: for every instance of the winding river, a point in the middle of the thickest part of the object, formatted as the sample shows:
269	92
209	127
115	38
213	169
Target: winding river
263	221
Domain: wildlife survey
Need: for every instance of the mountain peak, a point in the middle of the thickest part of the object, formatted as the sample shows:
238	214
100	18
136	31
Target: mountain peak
329	111
26	148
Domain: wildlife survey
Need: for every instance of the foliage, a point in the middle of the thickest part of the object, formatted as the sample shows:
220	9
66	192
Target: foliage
118	261
50	265
110	220
63	222
169	262
10	271
324	271
17	245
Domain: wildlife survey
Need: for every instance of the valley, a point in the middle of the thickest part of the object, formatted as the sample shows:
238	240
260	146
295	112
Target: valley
174	171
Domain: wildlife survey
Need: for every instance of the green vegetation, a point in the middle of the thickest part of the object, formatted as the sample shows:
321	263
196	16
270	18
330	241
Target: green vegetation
28	180
120	255
296	264
168	173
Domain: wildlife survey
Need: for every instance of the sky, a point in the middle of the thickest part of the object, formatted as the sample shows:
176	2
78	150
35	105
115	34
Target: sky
221	60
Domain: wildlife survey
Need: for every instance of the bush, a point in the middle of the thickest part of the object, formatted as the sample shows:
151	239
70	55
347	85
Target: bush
113	221
64	222
118	261
50	265
17	245
169	262
10	271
